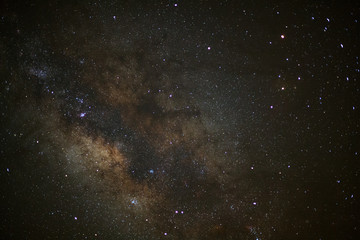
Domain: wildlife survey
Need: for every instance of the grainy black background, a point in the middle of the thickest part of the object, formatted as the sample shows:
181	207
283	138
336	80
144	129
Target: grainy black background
179	119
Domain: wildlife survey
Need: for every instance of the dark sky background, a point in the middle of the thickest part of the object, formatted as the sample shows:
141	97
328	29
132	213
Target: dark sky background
179	119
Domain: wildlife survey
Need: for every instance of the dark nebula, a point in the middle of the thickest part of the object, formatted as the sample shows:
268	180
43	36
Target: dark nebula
179	119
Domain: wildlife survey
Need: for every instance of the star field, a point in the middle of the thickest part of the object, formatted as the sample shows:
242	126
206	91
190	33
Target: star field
179	120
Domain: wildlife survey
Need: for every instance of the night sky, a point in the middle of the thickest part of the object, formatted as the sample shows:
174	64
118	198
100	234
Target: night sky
179	119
